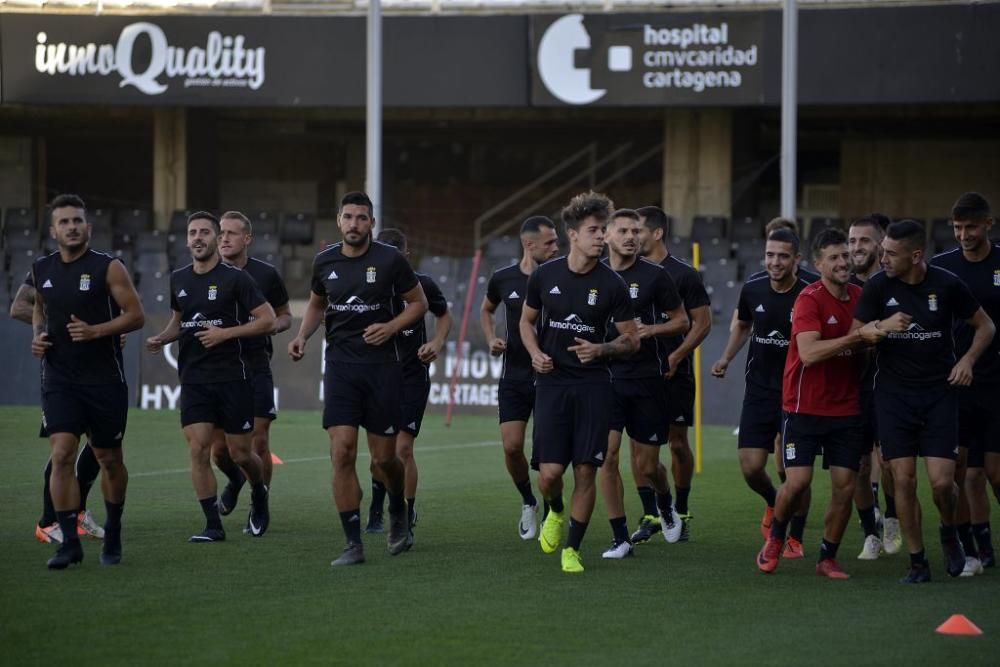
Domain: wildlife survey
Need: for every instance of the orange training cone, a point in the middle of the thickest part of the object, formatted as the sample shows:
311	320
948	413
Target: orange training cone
275	460
957	624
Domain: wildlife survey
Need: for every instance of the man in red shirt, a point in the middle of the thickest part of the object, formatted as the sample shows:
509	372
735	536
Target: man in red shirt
821	399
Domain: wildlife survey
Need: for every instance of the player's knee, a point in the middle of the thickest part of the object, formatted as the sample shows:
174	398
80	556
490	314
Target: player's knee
513	447
404	451
943	487
546	482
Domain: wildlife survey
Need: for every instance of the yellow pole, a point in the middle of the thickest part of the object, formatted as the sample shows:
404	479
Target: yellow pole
696	260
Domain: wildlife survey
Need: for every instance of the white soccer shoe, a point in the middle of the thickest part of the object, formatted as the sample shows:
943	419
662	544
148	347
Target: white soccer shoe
871	549
618	550
85	522
527	528
973	566
892	536
673	528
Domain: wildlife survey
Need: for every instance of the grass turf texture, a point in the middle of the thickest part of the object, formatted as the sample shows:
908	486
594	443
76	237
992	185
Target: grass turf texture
469	592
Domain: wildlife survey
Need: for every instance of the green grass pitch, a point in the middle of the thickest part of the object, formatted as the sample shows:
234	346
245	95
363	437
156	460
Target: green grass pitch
470	592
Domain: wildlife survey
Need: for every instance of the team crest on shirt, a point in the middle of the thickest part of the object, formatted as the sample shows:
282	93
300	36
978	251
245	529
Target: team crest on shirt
592	298
213	292
932	302
84	282
370	274
789	451
996	278
633	290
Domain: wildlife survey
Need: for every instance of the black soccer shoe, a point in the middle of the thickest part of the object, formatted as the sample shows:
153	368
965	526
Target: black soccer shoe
111	550
230	496
987	558
209	535
954	557
918	574
260	515
399	532
649	525
68	554
376	524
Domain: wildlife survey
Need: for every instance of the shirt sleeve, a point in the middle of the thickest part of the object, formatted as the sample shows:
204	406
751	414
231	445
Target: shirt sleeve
248	295
869	306
174	304
533	297
403	277
493	290
666	295
277	293
318	286
436	303
805	315
29	279
966	304
694	293
744	312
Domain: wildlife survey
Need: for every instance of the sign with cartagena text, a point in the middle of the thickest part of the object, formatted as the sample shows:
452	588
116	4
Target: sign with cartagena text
658	59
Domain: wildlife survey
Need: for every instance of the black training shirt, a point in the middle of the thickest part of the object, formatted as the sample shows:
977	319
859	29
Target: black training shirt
652	292
923	355
693	294
575	305
410	340
359	293
222	297
770	313
78	288
259	348
509	285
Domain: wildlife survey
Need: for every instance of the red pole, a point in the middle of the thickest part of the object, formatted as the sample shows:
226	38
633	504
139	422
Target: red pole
469	293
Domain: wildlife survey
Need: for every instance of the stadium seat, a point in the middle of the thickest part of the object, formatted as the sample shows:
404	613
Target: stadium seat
19	239
101	239
942	235
706	227
720	271
816	225
298	228
101	219
746	229
130	224
178	222
680	248
714	250
149	263
20	219
503	247
264	244
264	223
151	242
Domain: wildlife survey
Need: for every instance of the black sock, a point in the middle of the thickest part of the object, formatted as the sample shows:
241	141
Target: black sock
918	559
647	496
211	509
868	523
964	531
87	469
619	528
948	534
875	492
769	495
545	508
890	506
828	550
664	504
984	538
67	521
527	497
778	528
681	504
397	503
798	527
556	504
577	529
113	523
236	477
351	521
378	497
411	509
48	509
782	476
258	489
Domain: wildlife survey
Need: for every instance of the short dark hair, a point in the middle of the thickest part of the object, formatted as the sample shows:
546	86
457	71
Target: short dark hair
61	201
785	235
910	231
204	215
236	215
827	237
358	199
654	217
876	221
627	213
393	237
534	224
971	207
585	205
781	223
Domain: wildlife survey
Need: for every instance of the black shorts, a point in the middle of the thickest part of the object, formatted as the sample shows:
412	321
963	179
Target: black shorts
263	396
637	408
804	437
979	422
760	420
228	405
365	395
100	410
680	400
917	423
571	423
412	406
869	423
516	400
